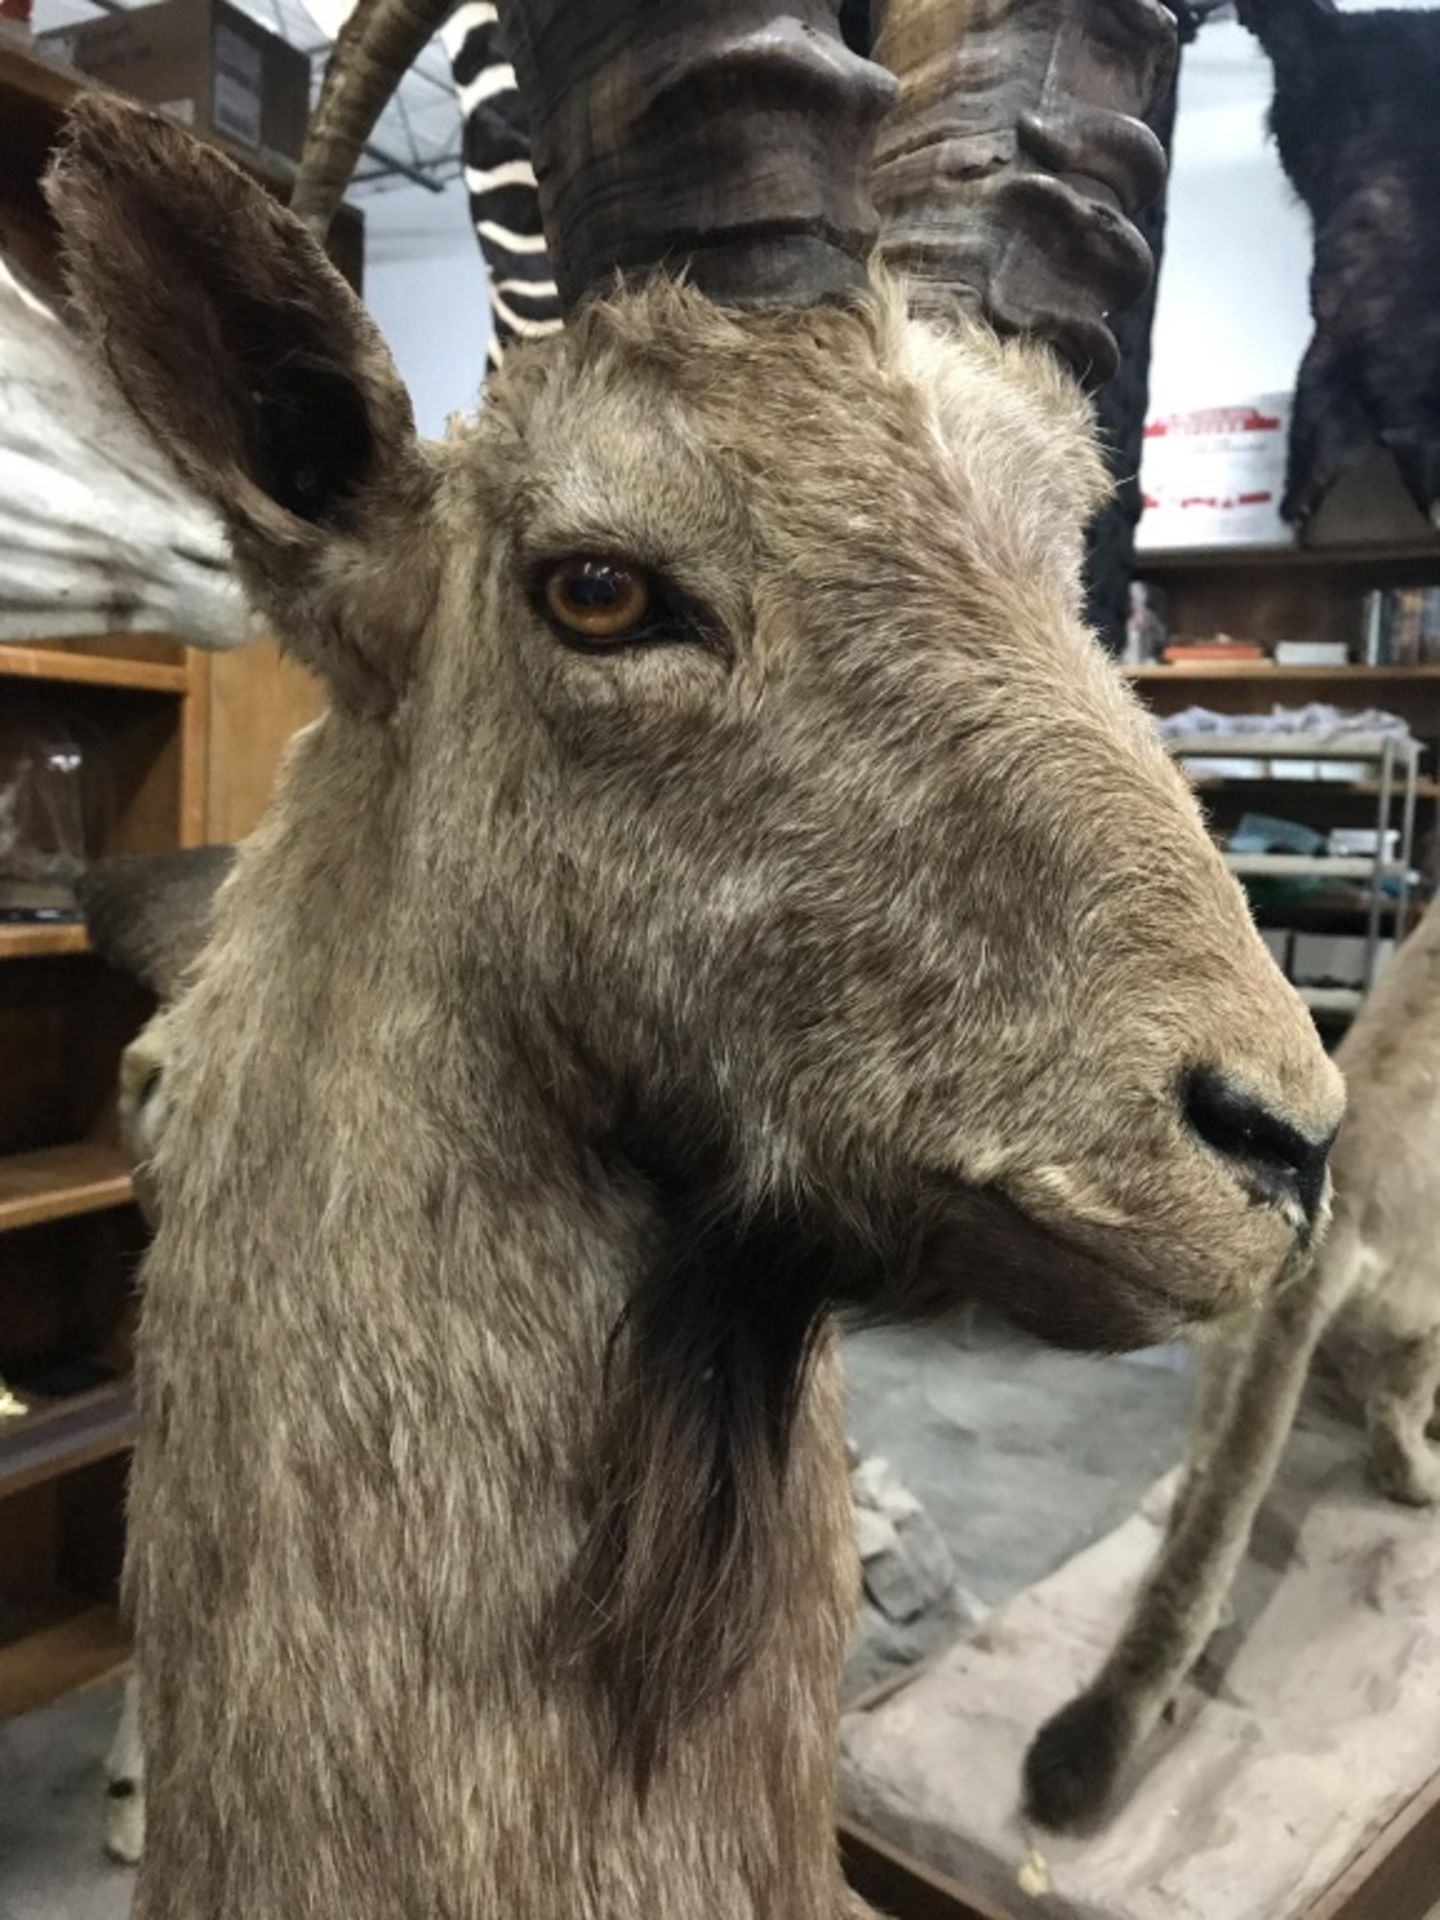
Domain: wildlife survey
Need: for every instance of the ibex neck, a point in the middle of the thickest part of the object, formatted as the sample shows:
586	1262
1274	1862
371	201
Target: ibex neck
373	1380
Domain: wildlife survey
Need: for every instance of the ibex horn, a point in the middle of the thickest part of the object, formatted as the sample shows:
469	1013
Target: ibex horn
1008	173
375	48
729	139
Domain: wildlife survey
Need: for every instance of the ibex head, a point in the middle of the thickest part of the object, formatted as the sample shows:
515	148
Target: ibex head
728	672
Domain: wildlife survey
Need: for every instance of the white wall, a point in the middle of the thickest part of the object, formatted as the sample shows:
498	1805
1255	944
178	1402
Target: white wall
425	285
1233	318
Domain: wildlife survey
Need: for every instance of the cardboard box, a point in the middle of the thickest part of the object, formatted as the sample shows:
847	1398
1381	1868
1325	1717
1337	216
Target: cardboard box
199	60
206	63
1214	477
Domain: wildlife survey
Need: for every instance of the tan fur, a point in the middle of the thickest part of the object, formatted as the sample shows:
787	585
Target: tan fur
575	1022
1379	1271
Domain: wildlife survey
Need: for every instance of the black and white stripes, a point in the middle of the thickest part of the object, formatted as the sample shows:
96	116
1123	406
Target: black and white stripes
500	181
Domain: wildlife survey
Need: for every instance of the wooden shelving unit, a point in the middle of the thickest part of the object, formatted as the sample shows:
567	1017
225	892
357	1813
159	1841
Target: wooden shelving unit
70	1238
34	942
190	743
42	1657
1259	675
97	670
61	1432
55	1183
1385	555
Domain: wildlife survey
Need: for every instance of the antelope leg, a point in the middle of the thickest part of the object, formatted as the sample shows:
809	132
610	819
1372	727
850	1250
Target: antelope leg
1222	1365
1397	1412
1077	1758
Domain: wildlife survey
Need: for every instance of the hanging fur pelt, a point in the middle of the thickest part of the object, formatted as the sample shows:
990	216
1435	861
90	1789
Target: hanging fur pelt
1354	117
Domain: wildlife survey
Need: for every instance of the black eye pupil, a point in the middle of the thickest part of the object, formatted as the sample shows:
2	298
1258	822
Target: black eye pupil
595	585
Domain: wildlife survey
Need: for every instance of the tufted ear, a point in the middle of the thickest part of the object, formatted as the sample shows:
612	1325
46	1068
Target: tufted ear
257	370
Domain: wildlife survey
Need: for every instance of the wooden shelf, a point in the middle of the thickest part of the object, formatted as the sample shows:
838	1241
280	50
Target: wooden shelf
56	1182
1419	552
60	1648
1258	670
1321	866
41	939
92	669
58	1435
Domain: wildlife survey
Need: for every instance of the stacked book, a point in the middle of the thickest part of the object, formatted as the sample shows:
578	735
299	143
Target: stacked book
1402	627
1219	652
1311	653
1223	651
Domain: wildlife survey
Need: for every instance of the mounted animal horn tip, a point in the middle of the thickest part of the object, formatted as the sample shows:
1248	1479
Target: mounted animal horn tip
376	47
1009	174
728	139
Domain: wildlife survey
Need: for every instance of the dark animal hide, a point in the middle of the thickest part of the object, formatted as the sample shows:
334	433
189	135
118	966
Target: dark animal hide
1354	117
150	913
675	1584
1120	407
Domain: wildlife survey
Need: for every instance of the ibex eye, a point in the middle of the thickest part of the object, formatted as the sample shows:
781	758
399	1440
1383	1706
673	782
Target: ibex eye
596	598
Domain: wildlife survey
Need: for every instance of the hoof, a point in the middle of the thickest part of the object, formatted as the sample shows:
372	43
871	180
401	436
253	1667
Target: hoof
1074	1762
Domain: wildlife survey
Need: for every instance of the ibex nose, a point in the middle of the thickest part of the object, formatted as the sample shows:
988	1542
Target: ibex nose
1272	1158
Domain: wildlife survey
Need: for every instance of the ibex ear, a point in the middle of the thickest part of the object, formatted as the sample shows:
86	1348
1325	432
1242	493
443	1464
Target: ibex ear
150	913
258	371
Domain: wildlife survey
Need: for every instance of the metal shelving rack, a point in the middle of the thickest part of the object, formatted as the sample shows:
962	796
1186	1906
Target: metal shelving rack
1397	760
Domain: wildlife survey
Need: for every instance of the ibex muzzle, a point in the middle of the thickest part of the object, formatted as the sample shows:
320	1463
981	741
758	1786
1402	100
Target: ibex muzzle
730	886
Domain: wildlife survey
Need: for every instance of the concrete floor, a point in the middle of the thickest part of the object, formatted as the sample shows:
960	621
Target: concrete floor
1020	1454
51	1863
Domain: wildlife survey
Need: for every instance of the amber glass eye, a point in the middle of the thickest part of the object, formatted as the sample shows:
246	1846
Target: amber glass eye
601	599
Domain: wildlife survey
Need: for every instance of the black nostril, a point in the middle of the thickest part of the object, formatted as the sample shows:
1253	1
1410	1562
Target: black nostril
1276	1159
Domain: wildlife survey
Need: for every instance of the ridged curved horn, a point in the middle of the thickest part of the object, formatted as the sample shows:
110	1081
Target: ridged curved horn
374	50
728	137
1007	176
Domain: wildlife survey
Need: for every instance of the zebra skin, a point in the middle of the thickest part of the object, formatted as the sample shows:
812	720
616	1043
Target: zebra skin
500	179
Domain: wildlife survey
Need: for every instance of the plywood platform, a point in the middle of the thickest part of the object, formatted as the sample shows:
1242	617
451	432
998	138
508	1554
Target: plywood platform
1299	1781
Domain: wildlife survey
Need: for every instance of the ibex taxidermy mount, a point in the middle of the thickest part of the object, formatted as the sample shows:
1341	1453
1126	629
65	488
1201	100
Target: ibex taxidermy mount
730	887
